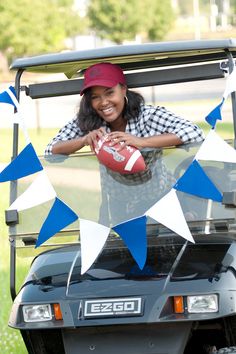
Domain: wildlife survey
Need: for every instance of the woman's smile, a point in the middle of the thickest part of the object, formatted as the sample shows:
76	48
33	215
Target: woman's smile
108	110
108	102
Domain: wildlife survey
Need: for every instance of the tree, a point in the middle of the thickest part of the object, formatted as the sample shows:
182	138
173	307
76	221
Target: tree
34	27
159	18
114	20
123	20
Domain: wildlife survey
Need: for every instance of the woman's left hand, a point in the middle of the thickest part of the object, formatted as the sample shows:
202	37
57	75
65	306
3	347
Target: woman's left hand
125	138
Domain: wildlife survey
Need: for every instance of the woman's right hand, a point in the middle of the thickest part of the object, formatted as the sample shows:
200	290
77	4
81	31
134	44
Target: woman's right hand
92	138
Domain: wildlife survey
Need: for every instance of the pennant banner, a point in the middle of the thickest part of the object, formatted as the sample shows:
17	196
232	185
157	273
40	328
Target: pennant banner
93	235
196	182
167	211
133	233
40	191
92	238
214	115
230	84
26	163
19	120
214	148
9	97
58	218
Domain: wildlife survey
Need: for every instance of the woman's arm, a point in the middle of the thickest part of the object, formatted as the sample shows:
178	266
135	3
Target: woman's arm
156	141
70	132
70	139
68	147
157	127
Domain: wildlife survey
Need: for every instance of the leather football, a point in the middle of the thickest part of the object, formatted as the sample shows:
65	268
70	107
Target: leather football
128	160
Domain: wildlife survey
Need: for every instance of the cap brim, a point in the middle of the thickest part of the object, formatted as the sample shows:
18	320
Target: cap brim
105	83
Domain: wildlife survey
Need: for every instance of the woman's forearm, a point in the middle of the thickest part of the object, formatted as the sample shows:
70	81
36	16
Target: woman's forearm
68	147
162	140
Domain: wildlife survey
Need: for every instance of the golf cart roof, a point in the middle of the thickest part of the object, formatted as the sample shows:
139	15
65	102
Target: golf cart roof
129	57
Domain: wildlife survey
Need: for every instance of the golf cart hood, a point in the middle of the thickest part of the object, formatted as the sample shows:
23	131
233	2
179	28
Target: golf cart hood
174	267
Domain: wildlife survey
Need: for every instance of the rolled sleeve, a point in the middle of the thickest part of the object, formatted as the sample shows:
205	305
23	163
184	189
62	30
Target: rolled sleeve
162	121
68	132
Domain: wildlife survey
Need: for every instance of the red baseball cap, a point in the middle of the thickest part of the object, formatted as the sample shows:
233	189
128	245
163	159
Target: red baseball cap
103	74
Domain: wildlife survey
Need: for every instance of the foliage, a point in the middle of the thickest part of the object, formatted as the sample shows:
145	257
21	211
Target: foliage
233	12
33	27
123	20
159	19
114	20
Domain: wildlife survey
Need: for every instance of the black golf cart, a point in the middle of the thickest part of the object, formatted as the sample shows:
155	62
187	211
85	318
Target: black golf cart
184	299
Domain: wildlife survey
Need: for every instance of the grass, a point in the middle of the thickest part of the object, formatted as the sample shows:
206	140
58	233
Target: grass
40	140
10	339
225	130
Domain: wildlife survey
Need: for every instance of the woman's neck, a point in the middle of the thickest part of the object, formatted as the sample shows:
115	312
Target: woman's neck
118	125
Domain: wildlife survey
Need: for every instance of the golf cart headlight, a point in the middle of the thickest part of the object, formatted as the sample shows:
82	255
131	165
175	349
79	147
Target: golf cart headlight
202	303
37	313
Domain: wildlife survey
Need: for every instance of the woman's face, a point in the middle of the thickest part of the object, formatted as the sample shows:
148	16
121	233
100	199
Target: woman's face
108	102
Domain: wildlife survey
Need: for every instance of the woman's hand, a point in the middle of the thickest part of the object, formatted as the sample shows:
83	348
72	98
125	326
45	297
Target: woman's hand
126	139
92	138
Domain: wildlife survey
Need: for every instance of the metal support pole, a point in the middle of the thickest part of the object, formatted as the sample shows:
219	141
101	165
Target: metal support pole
13	195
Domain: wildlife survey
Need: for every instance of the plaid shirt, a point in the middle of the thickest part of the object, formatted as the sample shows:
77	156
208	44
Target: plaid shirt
151	121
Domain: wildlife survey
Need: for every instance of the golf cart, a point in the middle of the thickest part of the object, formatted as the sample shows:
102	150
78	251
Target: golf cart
184	298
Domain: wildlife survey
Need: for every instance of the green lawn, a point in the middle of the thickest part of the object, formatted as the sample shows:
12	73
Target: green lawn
39	140
10	340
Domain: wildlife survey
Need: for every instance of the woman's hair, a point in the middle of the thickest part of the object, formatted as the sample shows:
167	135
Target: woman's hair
88	119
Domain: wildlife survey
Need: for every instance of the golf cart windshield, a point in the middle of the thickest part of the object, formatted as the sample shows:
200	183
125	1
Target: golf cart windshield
98	194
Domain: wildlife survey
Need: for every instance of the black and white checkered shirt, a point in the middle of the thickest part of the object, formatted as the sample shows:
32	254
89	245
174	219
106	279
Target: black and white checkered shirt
151	121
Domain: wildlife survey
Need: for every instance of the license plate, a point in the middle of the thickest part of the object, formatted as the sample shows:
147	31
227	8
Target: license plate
117	307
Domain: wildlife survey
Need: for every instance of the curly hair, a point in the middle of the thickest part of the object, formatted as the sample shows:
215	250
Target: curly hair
88	119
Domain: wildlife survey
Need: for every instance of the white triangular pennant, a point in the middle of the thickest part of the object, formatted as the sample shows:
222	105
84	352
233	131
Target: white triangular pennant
19	120
168	211
18	115
40	191
214	148
13	97
92	237
230	84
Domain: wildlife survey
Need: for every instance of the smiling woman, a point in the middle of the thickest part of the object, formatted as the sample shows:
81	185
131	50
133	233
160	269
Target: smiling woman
109	107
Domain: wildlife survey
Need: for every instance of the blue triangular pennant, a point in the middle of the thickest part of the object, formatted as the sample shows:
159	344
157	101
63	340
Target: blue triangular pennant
59	217
133	233
26	163
195	181
5	97
214	115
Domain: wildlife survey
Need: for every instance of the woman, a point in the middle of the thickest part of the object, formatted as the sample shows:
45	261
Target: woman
108	106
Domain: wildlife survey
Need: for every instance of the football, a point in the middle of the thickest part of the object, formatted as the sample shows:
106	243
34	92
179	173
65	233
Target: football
128	160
